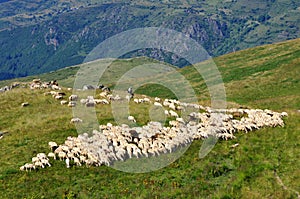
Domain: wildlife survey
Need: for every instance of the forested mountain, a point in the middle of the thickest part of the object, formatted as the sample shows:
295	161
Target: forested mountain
40	36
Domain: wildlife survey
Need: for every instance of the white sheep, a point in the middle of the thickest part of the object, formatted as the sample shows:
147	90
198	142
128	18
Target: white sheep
173	113
157	104
25	104
167	113
83	101
62	155
67	162
41	156
179	119
71	104
157	99
73	98
103	94
172	106
147	100
75	121
131	118
58	97
63	102
52	155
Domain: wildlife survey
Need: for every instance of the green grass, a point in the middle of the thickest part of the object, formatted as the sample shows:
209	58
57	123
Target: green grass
269	81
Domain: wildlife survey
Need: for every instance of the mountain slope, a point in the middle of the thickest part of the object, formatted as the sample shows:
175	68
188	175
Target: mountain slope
57	34
265	164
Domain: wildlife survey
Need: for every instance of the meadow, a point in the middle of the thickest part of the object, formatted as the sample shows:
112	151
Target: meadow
264	165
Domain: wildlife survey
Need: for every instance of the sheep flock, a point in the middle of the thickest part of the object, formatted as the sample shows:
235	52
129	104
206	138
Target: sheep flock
110	143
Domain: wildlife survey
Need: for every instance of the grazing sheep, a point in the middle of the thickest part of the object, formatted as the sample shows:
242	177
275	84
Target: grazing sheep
284	114
75	121
67	162
63	102
179	119
157	104
53	145
173	113
59	97
77	161
27	166
179	108
73	98
41	156
47	93
131	118
83	101
147	100
172	106
128	97
167	113
55	87
62	155
166	103
25	104
235	145
36	81
157	99
52	155
103	94
72	104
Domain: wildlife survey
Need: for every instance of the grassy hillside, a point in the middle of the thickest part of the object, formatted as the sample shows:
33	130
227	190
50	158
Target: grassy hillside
263	77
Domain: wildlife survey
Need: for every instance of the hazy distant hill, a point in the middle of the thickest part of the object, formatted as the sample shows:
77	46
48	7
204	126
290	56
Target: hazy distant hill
41	36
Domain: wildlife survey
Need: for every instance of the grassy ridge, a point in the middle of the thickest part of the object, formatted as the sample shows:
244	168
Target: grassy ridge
269	81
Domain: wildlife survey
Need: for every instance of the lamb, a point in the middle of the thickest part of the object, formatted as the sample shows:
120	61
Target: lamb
131	118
